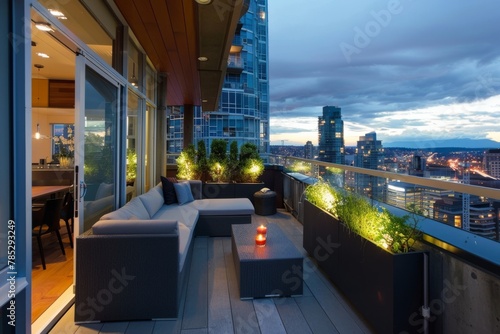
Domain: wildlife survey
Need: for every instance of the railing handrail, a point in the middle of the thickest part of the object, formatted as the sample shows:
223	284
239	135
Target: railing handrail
421	181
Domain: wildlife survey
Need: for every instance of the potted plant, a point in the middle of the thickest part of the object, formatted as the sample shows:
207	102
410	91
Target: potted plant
186	164
201	160
233	175
218	161
366	252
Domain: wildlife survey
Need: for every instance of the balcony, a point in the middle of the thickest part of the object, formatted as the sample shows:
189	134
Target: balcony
464	274
235	64
211	302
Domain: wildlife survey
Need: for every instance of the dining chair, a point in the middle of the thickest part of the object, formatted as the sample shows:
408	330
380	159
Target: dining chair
45	220
67	214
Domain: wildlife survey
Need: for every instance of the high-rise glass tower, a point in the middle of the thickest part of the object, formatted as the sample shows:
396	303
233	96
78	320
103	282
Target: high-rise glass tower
243	114
369	154
331	136
309	150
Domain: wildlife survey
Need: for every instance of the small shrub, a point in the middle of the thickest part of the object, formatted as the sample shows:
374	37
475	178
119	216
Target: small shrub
233	164
186	164
251	170
201	160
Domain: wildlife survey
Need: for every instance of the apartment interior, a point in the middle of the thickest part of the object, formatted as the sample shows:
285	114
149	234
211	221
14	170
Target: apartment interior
53	113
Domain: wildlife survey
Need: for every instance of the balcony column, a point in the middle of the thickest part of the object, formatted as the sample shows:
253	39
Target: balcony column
188	124
161	127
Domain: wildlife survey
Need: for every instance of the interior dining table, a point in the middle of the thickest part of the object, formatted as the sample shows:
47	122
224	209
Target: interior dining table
39	191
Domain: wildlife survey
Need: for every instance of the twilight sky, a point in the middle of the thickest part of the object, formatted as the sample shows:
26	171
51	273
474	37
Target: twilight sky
407	69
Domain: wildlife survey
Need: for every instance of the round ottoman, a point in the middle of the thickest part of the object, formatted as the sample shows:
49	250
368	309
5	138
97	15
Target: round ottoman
265	203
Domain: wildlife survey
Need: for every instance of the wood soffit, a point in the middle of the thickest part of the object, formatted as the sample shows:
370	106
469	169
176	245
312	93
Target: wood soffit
175	33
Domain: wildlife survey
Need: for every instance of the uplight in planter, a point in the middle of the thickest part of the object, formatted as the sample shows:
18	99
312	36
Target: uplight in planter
321	194
252	169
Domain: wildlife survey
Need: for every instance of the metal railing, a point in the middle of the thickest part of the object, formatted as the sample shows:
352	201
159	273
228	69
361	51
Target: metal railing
475	246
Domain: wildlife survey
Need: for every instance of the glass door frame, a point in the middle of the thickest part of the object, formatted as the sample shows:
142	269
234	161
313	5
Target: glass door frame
84	61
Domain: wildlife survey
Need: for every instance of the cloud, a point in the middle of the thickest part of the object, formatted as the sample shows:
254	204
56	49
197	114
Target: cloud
425	54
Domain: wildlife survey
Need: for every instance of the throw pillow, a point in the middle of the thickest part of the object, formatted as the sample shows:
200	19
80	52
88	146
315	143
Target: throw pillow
169	195
183	192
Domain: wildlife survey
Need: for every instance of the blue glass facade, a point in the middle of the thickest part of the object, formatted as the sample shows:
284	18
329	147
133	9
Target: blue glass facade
243	114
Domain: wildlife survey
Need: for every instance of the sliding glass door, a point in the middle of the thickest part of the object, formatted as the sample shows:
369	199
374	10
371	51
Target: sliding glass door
97	164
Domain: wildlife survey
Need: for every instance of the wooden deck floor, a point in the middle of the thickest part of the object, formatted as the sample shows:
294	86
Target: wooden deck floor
211	302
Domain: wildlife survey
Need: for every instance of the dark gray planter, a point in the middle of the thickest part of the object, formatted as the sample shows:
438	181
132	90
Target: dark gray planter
231	190
386	288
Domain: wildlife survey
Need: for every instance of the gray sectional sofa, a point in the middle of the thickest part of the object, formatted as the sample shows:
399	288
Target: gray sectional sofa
133	262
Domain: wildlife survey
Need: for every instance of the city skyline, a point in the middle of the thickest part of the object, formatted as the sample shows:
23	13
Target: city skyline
389	70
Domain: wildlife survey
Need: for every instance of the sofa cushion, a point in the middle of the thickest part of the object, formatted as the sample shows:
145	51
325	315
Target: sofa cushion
169	194
152	200
224	206
186	214
135	227
133	208
183	192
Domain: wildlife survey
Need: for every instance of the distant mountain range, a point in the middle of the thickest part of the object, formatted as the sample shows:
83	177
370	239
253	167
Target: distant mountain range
457	142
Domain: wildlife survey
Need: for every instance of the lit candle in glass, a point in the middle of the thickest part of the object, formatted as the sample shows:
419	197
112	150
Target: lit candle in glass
261	229
260	240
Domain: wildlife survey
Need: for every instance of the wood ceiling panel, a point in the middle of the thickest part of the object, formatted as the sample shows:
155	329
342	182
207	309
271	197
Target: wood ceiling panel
173	33
182	55
180	18
191	25
175	76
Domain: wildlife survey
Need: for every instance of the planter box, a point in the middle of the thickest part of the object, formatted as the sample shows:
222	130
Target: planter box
386	288
231	190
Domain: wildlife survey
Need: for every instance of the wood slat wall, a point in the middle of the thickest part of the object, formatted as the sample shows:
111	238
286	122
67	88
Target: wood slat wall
61	94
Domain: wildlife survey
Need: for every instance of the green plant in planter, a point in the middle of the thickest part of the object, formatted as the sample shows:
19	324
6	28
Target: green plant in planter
201	160
251	170
323	196
233	164
218	161
394	233
186	164
398	234
251	163
217	171
360	216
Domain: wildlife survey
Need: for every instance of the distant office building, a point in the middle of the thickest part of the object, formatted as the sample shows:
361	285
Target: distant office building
309	150
433	171
491	162
331	136
403	195
417	165
370	155
483	221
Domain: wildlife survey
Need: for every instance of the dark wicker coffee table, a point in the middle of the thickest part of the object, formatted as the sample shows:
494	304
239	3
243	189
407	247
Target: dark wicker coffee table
269	271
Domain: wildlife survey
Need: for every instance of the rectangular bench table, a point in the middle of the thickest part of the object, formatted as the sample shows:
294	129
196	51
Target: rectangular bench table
273	270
